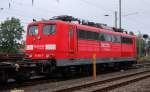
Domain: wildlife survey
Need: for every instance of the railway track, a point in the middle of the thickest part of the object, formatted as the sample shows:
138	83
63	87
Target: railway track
31	82
108	84
35	81
87	87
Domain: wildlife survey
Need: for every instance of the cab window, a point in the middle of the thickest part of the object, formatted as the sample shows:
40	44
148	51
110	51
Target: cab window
33	30
49	29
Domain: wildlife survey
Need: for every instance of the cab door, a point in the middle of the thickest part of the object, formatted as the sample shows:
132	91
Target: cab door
72	39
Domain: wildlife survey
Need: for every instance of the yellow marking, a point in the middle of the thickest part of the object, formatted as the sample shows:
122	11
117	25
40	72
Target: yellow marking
17	90
94	66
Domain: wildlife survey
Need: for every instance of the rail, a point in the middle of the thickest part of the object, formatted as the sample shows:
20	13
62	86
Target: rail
108	84
11	57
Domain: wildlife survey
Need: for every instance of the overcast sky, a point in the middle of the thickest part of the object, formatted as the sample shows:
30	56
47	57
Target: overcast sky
135	13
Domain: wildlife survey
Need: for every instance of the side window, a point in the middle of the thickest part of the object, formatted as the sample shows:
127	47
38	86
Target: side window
105	37
108	37
95	35
102	37
126	40
81	34
49	29
88	35
116	39
33	30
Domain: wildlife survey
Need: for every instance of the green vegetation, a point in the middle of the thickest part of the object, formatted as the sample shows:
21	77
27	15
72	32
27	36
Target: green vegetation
140	46
11	33
143	47
131	33
144	58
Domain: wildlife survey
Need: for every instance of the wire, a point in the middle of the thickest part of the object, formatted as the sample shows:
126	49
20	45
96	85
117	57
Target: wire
16	13
135	23
129	14
97	6
39	10
145	2
36	8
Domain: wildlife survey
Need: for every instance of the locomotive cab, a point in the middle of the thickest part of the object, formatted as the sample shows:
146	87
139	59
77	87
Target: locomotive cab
41	40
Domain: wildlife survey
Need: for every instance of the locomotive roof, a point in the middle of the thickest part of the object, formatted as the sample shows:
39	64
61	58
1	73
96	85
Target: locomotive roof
95	29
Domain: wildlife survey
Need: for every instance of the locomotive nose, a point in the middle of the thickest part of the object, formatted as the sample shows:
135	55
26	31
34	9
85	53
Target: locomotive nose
46	51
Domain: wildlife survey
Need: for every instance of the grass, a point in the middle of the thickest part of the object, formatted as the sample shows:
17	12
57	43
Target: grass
143	58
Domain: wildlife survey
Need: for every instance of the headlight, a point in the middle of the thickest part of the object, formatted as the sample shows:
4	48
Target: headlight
50	47
29	47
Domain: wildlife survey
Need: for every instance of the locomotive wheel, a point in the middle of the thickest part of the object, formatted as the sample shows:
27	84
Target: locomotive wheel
22	77
65	72
3	77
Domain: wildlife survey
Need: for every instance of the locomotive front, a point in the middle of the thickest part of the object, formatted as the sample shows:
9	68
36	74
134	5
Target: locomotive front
41	40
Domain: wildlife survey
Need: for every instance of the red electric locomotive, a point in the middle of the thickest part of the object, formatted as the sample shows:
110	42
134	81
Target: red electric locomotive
60	43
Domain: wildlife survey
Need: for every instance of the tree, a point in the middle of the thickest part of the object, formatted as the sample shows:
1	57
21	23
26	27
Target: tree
146	36
131	33
11	33
140	45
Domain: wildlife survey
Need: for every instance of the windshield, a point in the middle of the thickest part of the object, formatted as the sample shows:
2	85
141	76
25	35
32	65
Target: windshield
49	29
33	30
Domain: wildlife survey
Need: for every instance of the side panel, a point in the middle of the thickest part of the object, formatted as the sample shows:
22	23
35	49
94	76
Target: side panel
62	41
86	48
105	49
134	53
129	49
72	39
116	49
67	62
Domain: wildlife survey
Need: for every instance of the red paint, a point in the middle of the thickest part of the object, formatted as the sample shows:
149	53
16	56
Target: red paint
68	45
